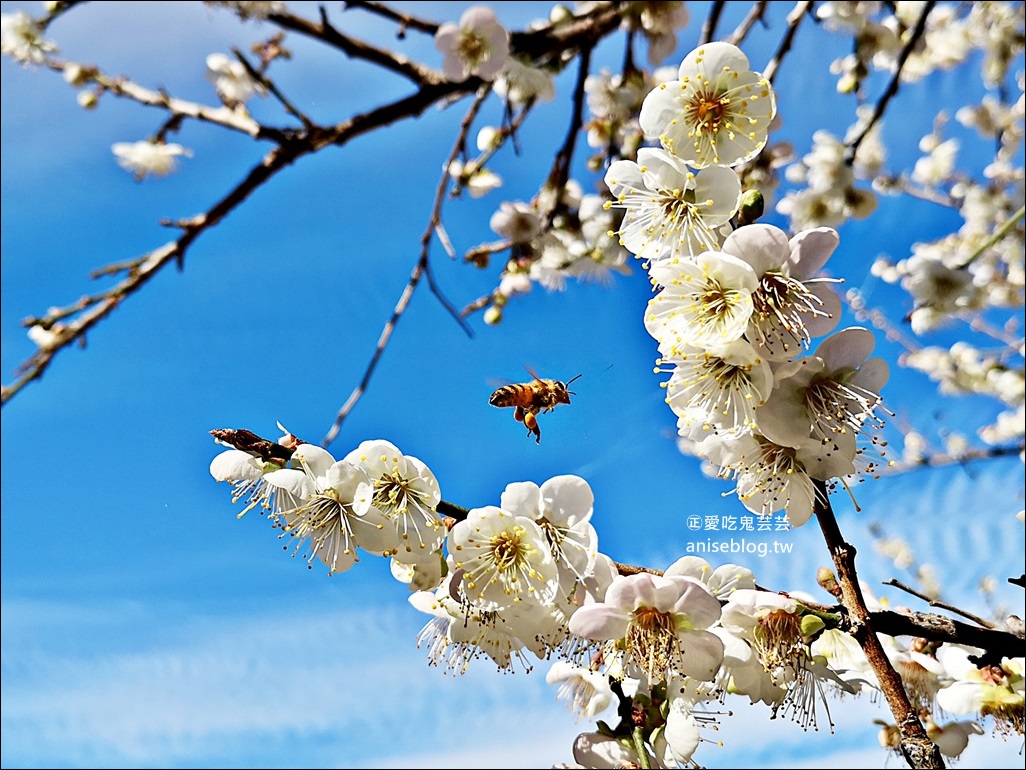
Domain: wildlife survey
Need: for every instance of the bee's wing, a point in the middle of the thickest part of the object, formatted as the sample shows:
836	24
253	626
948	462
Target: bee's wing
533	374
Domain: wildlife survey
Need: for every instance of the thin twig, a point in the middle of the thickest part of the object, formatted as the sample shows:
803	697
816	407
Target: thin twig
919	751
755	14
939	604
560	172
892	87
273	89
943	459
793	20
405	20
419	271
711	22
353	48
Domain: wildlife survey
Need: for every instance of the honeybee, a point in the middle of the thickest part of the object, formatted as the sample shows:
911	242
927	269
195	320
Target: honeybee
530	399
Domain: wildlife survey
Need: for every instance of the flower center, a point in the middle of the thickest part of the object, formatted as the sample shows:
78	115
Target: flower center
508	551
472	48
778	640
706	111
393	493
781	305
652	641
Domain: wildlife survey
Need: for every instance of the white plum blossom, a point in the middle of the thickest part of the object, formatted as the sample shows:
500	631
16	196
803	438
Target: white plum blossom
458	633
21	38
479	181
587	693
670	210
142	158
717	112
562	507
477	45
997	691
789	306
333	514
597	750
772	477
503	559
721	581
407	494
231	80
834	391
517	221
420	576
716	388
705	301
662	623
521	83
659	24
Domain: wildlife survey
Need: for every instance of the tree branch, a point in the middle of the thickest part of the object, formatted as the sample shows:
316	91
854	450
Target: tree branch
419	270
917	748
892	87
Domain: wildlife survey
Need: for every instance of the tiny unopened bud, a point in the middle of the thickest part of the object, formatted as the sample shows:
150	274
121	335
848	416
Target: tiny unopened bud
560	13
752	207
87	100
75	75
493	315
488	138
828	582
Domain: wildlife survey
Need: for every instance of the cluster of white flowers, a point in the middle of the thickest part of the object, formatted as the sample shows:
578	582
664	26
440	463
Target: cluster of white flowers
733	315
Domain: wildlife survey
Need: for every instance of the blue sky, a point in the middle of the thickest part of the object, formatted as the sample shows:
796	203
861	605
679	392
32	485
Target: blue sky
143	625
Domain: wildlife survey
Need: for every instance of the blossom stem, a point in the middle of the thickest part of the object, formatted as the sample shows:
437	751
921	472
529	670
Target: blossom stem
638	735
1011	222
917	748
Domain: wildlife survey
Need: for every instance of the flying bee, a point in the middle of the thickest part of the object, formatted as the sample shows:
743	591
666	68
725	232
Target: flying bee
529	399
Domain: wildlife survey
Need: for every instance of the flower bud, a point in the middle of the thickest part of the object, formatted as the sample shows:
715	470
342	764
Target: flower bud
752	206
828	582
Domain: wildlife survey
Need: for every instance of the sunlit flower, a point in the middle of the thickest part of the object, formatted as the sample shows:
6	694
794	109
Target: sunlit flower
772	477
718	387
334	514
562	507
834	391
478	45
521	83
662	622
504	559
671	211
478	181
716	112
406	492
142	158
721	581
996	691
21	38
458	633
789	306
231	80
517	221
587	693
705	301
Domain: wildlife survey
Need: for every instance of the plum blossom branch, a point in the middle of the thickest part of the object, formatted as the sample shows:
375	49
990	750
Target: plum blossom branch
421	269
546	42
711	22
892	87
356	49
940	604
794	18
919	751
755	13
